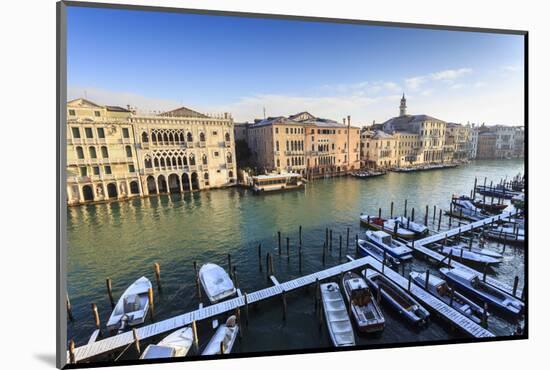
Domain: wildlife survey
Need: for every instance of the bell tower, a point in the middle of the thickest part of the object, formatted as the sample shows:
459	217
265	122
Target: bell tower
403	106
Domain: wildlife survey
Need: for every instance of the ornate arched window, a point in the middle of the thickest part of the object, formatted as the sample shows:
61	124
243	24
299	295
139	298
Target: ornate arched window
204	159
144	137
148	162
202	137
156	161
227	136
192	160
184	160
189	137
93	153
79	152
229	158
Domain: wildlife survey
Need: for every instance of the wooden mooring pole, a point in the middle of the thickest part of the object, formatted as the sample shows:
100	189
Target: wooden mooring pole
71	352
156	267
136	340
391	209
195	335
260	256
439	221
151	303
279	241
109	284
69	308
405	212
347	238
95	313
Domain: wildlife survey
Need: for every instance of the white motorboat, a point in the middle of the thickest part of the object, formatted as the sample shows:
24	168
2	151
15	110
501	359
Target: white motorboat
177	344
216	282
418	229
131	309
393	247
226	334
336	314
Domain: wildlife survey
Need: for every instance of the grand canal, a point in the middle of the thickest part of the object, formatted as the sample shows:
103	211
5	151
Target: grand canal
121	241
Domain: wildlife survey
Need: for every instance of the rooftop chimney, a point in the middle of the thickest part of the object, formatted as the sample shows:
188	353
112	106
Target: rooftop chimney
349	121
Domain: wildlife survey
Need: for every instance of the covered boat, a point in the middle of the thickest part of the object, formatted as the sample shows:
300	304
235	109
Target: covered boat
177	344
479	249
226	334
467	256
397	298
336	314
507	233
393	247
216	282
370	249
363	307
440	289
415	227
462	207
470	283
390	226
131	309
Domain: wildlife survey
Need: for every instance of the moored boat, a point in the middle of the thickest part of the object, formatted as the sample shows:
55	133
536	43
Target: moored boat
477	248
467	256
507	233
393	247
440	289
493	208
363	307
397	298
390	226
216	282
336	314
132	307
406	223
226	334
177	344
462	207
470	283
369	249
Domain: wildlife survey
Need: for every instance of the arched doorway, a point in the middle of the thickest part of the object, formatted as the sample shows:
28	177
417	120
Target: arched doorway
134	187
88	193
151	185
162	184
111	190
185	182
195	181
174	183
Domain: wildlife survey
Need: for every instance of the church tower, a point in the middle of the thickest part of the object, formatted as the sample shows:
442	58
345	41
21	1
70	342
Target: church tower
403	106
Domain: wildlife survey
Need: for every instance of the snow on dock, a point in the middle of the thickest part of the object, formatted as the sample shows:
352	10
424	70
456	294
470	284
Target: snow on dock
447	312
106	345
420	246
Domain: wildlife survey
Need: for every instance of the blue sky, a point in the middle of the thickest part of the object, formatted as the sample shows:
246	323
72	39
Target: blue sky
157	61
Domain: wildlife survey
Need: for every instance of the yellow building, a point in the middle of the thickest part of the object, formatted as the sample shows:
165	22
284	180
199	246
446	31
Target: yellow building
113	153
305	144
380	149
428	134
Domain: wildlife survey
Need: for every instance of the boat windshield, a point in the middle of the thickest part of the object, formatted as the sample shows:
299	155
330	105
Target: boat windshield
360	297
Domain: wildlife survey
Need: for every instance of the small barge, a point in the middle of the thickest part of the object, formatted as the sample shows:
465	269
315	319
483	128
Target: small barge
277	182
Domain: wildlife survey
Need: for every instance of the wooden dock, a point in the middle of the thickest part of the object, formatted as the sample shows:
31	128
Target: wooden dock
109	344
447	312
420	247
459	230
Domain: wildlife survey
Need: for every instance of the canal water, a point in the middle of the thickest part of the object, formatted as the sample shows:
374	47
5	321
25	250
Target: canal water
123	240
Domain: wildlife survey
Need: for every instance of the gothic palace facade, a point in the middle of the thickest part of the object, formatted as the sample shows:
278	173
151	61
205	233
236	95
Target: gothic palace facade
114	153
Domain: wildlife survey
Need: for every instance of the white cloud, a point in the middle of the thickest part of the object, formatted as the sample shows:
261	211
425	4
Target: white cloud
450	74
414	83
447	76
504	106
513	68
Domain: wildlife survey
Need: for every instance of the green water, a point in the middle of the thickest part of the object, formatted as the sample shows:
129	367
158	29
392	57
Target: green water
123	240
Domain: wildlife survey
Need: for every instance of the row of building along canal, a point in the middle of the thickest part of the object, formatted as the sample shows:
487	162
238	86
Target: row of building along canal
123	241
